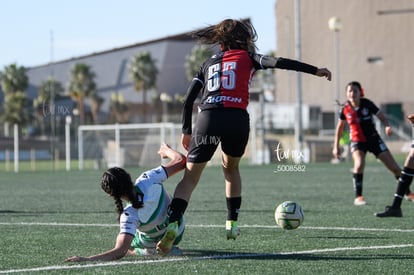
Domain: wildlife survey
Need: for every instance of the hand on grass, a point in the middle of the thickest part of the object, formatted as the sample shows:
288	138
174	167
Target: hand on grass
76	259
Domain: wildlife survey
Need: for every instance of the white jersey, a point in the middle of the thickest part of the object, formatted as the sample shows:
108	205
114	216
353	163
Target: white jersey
151	220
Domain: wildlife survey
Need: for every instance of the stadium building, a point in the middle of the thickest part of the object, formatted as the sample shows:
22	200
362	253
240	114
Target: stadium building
111	68
372	45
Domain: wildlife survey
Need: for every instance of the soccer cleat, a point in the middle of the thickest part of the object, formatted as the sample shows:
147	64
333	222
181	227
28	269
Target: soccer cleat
165	245
232	229
390	212
409	197
360	200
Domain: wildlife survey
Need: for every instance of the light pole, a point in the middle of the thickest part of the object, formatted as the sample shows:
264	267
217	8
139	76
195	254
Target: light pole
298	56
335	25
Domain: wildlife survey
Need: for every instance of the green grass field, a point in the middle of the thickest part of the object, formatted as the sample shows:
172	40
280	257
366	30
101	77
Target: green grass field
47	216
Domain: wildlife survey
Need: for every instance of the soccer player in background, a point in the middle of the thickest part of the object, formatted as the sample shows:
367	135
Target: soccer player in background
358	112
144	220
404	182
223	81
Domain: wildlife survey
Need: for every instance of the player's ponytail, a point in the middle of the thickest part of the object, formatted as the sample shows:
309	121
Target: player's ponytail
136	200
119	207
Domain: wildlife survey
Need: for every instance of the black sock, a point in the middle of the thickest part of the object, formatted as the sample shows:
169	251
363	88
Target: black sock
233	208
408	191
177	209
357	180
402	187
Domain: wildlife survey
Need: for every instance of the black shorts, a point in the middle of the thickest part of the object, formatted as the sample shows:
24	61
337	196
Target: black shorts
230	127
374	145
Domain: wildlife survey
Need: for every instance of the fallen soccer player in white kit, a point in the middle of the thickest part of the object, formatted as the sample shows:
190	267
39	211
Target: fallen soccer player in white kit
144	220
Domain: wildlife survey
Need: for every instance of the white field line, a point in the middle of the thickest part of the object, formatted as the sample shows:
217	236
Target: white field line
214	226
215	257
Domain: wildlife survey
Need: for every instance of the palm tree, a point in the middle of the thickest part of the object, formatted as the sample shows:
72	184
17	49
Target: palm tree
48	92
143	73
47	89
16	109
14	83
81	85
195	59
96	103
118	108
14	78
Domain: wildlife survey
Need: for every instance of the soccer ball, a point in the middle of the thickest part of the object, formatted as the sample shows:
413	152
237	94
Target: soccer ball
289	215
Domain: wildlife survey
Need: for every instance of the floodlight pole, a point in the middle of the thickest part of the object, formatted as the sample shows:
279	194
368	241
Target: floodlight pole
298	56
52	105
335	25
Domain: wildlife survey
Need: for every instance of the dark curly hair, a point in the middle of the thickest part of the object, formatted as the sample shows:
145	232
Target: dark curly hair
231	34
357	85
117	183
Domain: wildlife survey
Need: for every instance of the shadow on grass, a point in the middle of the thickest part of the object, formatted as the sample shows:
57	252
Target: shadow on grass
224	209
348	237
259	211
227	255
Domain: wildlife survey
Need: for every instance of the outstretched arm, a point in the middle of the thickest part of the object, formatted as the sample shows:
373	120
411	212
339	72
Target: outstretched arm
122	245
289	64
177	160
266	61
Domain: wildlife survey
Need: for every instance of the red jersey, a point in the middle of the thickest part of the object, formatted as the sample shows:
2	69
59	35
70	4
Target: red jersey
360	120
228	77
224	80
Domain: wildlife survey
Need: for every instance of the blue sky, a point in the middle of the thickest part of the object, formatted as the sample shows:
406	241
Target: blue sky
36	32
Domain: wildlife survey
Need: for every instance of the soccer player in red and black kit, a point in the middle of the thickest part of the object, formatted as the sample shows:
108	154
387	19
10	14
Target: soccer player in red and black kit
223	81
358	112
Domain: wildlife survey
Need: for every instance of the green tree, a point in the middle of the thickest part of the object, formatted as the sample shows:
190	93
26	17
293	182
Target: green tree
81	85
143	74
96	103
195	59
16	109
43	103
119	109
47	89
14	79
14	83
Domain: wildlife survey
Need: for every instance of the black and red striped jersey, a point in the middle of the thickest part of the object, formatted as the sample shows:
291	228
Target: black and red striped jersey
224	80
360	120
